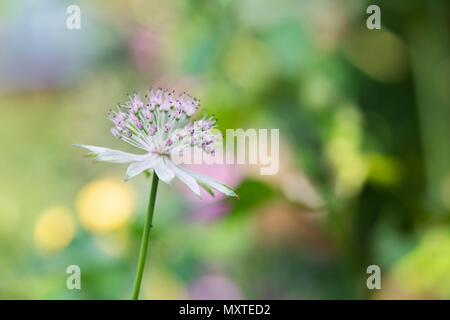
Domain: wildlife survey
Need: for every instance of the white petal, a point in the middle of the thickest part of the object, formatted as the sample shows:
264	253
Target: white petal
111	155
164	172
210	182
207	188
137	167
185	177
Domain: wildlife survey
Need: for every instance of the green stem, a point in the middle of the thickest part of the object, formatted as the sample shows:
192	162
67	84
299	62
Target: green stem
145	237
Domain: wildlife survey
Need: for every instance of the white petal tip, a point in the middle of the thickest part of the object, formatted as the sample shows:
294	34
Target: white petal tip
199	195
80	145
231	193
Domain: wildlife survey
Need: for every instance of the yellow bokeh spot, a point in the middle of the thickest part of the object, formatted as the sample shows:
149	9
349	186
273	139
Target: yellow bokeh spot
384	170
105	205
344	151
54	229
426	269
160	284
381	55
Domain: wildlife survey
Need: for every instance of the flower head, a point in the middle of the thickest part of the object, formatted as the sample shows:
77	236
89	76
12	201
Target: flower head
160	125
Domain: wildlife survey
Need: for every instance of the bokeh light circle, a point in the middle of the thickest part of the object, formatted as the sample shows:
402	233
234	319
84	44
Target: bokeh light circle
54	229
105	205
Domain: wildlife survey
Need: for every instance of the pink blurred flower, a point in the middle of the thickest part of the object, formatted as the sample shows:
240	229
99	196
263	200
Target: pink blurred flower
145	50
214	286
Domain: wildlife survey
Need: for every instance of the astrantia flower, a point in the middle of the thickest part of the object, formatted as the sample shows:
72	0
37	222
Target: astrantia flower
162	125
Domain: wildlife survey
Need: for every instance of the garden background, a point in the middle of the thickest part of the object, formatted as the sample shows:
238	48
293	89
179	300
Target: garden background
364	128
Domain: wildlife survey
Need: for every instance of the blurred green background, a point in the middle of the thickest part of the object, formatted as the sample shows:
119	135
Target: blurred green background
365	160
